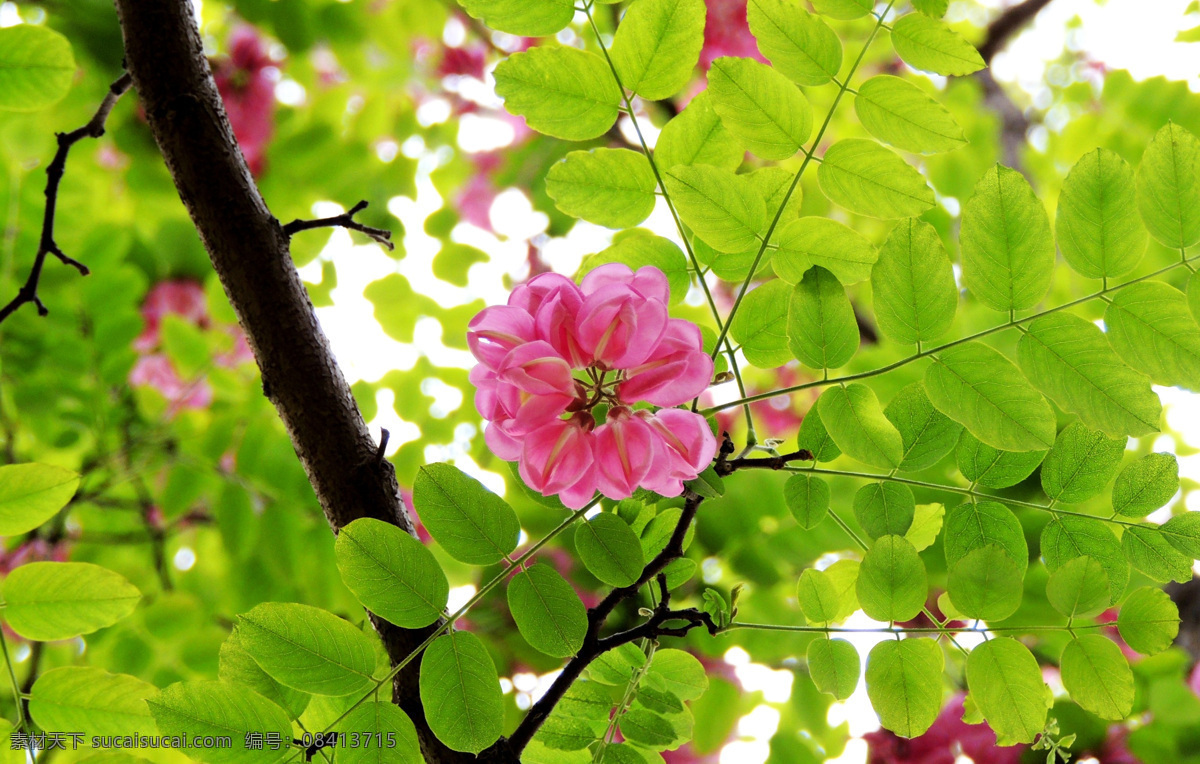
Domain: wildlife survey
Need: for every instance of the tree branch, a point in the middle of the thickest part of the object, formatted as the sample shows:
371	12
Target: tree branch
54	174
345	220
1008	24
594	646
249	252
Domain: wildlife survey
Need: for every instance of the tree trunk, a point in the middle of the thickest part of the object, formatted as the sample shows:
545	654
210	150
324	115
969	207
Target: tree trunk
250	254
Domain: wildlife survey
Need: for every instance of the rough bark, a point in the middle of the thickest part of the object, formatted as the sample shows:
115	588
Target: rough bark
249	251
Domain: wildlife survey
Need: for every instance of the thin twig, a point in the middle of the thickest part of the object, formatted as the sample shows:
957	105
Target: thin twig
54	174
345	220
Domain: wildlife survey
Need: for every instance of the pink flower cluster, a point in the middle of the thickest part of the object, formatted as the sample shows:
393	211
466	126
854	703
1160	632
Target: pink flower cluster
557	351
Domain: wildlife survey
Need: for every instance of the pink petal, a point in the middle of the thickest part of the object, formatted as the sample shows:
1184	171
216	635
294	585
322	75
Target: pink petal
687	439
619	327
495	331
625	453
557	458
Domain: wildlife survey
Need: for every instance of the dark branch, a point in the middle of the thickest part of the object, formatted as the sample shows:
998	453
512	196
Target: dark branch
54	174
769	463
1007	24
594	646
345	220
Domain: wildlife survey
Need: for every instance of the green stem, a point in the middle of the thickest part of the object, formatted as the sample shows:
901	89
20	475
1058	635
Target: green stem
808	158
12	678
930	351
479	595
955	489
687	245
626	699
900	629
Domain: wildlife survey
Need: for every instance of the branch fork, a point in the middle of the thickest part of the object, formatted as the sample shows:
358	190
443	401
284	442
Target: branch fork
345	220
54	175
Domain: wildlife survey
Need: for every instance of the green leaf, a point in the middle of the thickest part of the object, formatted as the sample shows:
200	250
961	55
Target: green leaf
1168	189
461	692
391	573
1148	621
930	45
814	438
610	550
1098	677
526	18
971	526
884	508
1079	589
307	648
856	423
899	113
934	8
991	467
238	667
678	672
1150	552
926	525
92	701
453	262
1097	225
616	667
979	388
218	709
986	584
471	523
891	581
378	732
47	601
834	667
927	433
547	611
657	45
36	67
1068	359
1145	485
760	325
1006	685
721	207
798	44
657	732
904	683
1068	536
1183	533
30	494
1193	295
1080	464
818	597
820	241
637	247
844	575
843	9
866	178
609	187
780	191
821	327
1151	328
658	532
807	497
561	91
913	284
1007	249
697	136
764	110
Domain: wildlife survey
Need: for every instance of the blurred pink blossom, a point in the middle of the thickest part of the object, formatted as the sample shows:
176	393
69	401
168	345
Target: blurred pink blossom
246	81
943	742
727	33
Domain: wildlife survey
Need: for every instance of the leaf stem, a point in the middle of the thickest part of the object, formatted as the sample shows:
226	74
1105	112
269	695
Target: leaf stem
687	245
12	678
808	158
952	489
899	629
945	346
